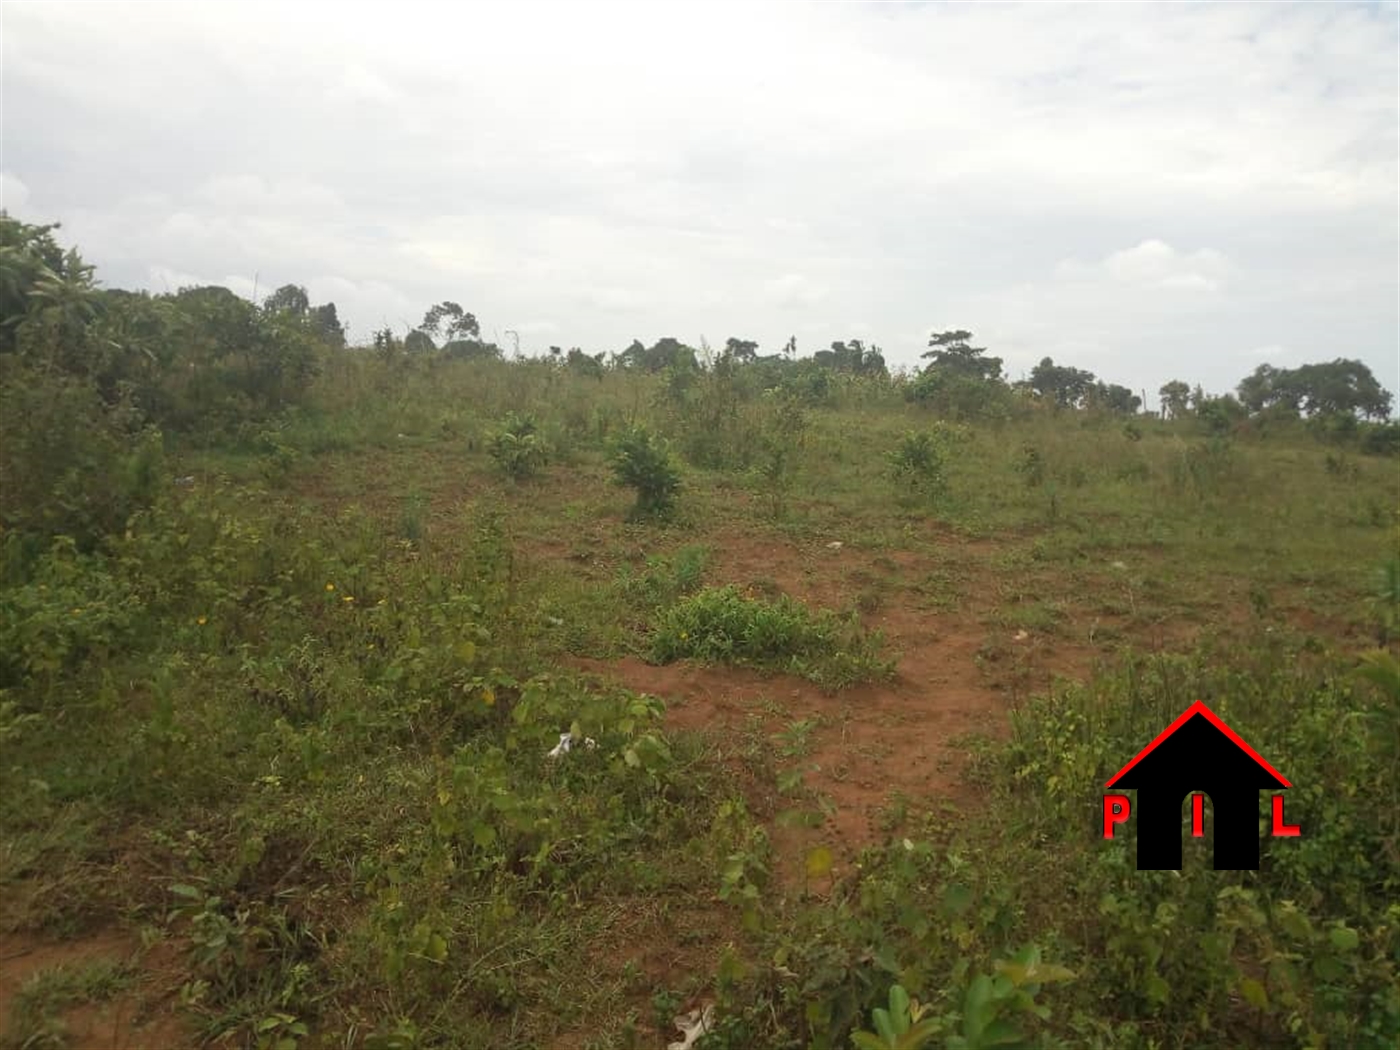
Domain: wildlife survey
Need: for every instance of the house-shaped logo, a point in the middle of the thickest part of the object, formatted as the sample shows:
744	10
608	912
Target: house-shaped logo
1197	753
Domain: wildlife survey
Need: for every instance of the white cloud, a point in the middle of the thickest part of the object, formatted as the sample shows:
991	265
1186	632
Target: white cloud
793	291
1153	264
1146	190
14	194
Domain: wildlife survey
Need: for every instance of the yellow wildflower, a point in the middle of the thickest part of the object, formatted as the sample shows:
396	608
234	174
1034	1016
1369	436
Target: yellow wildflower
347	598
488	697
202	620
330	587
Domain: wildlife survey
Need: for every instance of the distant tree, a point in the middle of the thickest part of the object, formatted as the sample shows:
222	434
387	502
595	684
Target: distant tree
1338	387
289	299
418	342
959	381
1066	386
472	350
666	353
585	364
1115	398
327	325
790	347
742	351
1175	399
449	321
954	353
1219	414
1266	387
387	344
853	358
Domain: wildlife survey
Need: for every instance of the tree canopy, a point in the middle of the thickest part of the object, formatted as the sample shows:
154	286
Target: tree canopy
953	353
1341	386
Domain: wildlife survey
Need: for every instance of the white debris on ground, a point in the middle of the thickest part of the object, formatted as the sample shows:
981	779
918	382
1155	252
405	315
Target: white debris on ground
1120	566
1021	636
693	1025
834	545
566	744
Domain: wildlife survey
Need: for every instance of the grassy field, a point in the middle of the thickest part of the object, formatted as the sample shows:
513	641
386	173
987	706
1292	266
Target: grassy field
277	758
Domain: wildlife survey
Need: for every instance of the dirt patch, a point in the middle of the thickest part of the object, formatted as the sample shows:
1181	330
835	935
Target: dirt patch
140	1016
874	749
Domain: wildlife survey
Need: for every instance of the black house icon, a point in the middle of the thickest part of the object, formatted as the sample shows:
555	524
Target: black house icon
1198	752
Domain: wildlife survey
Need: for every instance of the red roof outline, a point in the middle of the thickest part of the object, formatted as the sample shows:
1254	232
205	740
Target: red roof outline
1199	708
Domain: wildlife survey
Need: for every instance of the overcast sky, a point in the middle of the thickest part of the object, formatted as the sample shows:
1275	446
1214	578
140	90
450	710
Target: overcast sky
1147	191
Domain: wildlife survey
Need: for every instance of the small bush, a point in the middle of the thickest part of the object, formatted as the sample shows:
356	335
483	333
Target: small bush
724	625
666	578
1031	466
518	448
1381	439
71	464
962	397
918	464
642	462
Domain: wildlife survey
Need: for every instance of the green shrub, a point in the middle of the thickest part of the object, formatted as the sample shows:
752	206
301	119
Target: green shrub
918	464
518	448
1381	439
962	397
726	626
70	610
642	462
1031	466
71	464
666	578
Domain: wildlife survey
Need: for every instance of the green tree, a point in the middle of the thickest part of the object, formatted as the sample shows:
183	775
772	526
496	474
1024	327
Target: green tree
853	357
289	299
1341	387
29	256
1175	399
1338	387
449	321
953	353
1115	398
585	364
1267	387
742	351
418	342
326	323
1067	387
665	353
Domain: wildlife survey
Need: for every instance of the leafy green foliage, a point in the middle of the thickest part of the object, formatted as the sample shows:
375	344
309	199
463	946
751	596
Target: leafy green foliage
724	625
919	463
1061	385
900	1026
518	448
665	579
71	464
1340	386
642	462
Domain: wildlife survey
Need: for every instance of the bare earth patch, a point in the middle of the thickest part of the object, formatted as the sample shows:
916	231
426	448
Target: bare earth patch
138	1017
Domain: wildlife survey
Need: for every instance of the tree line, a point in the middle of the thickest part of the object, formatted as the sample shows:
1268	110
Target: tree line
204	358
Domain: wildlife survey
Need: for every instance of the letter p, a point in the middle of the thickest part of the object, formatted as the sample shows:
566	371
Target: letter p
1115	811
